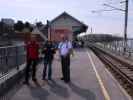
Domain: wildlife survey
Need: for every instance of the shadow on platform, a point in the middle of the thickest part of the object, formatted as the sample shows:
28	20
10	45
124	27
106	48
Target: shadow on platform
85	93
39	92
58	89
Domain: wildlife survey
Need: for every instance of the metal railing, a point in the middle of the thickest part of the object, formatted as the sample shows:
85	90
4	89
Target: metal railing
11	57
118	47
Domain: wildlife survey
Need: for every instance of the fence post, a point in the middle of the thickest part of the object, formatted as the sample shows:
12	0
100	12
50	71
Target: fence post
6	59
17	66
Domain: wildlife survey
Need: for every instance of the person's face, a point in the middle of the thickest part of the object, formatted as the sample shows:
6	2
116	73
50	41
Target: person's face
33	38
64	38
48	42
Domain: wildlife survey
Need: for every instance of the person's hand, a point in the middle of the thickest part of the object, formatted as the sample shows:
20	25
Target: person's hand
45	48
72	53
59	58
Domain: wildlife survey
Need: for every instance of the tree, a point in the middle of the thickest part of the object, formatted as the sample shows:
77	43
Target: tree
27	25
39	24
19	26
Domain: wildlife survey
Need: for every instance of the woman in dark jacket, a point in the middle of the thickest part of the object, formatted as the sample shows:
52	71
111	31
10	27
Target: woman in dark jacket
49	52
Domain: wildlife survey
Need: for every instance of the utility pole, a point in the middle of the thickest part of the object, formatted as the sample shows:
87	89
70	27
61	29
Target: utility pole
125	20
125	26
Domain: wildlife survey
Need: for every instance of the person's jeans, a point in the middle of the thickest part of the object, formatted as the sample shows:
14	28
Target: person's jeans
29	63
47	63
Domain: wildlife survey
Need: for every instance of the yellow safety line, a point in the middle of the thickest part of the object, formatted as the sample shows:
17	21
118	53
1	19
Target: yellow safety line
105	93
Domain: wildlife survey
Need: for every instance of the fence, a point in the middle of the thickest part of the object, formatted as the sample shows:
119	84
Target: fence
11	57
118	47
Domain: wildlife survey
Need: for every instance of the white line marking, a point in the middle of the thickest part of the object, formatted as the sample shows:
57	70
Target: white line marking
105	93
121	88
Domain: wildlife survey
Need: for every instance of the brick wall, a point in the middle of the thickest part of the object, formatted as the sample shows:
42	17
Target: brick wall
56	34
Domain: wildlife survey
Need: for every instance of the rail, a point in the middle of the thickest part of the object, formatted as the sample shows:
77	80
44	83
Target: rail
122	69
118	47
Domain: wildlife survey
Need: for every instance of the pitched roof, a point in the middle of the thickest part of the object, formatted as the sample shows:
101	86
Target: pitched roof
66	14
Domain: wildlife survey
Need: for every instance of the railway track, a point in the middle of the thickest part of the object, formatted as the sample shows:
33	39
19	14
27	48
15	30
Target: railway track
122	71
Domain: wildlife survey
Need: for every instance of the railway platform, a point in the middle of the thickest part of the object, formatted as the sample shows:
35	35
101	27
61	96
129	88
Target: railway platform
90	80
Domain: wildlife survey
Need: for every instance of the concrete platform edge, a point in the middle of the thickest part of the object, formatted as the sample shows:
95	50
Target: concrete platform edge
11	79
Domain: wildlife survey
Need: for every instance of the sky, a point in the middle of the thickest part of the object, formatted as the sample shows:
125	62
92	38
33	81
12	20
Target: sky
110	22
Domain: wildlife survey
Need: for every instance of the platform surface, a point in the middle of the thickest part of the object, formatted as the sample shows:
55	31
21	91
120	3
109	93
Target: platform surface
90	80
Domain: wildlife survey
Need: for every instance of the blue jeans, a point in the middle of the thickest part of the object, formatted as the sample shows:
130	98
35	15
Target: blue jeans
47	63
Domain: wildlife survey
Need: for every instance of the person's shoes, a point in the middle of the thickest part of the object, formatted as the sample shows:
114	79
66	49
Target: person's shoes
34	79
67	81
49	79
43	78
62	78
26	83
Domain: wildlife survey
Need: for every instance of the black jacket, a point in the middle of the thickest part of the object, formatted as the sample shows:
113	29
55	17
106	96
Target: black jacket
48	51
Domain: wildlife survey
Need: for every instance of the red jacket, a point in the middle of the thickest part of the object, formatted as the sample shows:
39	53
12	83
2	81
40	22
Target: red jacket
32	50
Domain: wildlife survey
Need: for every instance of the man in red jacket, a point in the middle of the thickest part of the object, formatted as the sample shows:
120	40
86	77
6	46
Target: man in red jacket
32	49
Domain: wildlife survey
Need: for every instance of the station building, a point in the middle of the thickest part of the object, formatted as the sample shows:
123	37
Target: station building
67	25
